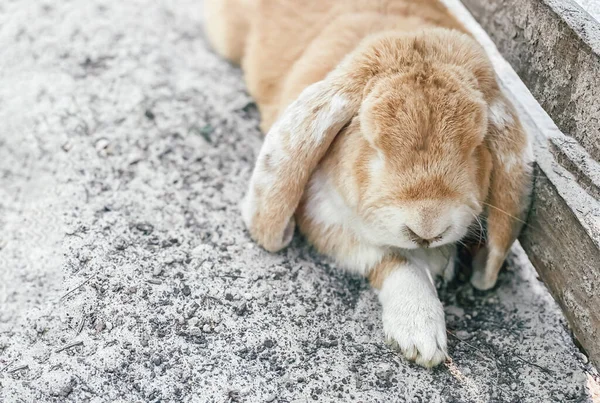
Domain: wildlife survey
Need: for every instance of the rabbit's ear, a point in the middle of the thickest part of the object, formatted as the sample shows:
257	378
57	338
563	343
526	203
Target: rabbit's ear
509	192
292	149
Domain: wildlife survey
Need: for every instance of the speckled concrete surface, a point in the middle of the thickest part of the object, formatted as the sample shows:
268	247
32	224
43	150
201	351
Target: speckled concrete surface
591	6
126	273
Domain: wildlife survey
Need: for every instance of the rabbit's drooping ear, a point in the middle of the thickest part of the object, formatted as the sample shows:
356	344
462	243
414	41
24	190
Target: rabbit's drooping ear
509	192
292	149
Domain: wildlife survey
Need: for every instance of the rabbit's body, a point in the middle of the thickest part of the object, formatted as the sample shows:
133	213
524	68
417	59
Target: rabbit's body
388	135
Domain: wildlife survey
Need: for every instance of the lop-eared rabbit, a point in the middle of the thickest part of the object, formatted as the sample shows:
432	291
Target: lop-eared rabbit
388	140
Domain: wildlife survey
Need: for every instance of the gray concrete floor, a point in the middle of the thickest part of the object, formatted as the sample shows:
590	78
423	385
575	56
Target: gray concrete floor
591	6
126	273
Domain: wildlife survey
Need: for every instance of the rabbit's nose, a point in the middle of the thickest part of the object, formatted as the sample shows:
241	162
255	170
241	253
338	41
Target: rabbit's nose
423	241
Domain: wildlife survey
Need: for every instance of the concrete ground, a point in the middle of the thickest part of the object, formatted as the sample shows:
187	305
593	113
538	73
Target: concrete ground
591	6
127	275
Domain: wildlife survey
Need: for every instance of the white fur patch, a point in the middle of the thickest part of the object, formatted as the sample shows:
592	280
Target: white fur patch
519	160
510	160
325	206
333	110
413	316
329	116
499	114
361	259
248	207
377	164
437	261
501	117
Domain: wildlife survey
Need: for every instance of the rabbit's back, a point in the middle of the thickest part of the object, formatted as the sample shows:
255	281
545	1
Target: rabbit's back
292	44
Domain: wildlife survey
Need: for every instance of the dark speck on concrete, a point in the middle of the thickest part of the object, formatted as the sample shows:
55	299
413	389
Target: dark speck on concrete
145	228
149	114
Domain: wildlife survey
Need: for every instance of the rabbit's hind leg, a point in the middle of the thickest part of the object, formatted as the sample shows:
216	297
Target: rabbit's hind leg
226	23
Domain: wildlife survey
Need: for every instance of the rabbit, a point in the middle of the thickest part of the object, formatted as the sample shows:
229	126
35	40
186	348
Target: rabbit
388	140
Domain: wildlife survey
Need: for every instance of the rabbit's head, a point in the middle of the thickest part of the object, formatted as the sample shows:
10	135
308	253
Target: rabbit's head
425	175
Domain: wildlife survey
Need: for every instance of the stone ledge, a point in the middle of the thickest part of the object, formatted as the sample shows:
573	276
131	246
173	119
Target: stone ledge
570	156
554	46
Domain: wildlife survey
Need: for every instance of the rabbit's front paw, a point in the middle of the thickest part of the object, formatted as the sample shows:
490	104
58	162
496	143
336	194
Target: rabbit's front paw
421	336
413	316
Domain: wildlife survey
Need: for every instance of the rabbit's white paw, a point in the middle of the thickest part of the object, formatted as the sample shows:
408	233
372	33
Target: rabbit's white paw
413	318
